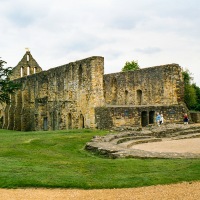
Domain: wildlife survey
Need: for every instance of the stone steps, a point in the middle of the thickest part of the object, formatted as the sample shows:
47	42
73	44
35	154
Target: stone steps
197	135
132	143
119	144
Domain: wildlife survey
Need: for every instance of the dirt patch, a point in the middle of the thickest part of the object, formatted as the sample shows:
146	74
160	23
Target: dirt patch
178	146
181	191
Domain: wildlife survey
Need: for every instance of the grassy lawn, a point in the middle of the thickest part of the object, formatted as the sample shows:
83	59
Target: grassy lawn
58	159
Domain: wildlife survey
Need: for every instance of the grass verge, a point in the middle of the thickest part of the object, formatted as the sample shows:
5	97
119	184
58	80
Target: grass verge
57	159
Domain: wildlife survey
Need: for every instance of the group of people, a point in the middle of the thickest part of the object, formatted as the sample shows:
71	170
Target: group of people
160	119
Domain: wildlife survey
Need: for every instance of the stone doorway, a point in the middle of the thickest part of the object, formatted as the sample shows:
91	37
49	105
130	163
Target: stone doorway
144	118
151	117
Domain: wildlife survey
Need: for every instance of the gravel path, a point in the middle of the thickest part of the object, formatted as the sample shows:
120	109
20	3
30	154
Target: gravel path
182	191
179	146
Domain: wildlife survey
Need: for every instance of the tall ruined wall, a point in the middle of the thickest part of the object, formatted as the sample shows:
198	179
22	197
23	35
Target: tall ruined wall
149	86
60	98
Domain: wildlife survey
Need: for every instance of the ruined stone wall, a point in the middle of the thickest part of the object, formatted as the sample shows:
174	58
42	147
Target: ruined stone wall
160	85
195	117
60	98
119	116
79	95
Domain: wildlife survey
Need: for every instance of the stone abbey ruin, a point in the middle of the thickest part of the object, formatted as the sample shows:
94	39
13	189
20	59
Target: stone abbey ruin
80	95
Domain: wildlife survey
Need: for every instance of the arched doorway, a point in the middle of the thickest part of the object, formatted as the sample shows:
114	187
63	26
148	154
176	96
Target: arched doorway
151	117
81	121
144	118
69	121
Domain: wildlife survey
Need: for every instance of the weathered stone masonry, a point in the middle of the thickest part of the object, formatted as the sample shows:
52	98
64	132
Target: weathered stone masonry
133	98
60	98
79	95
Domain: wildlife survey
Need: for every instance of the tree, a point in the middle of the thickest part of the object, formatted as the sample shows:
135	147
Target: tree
7	86
190	95
197	89
130	66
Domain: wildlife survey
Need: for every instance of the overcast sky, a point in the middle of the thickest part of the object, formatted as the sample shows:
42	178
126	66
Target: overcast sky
153	32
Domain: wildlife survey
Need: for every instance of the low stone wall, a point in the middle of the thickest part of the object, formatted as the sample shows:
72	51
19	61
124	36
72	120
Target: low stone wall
117	116
195	116
121	144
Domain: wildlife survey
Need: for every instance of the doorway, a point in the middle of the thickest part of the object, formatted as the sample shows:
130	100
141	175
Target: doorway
144	118
151	117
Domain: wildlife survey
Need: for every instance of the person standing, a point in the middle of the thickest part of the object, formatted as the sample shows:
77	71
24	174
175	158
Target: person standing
161	119
158	117
185	118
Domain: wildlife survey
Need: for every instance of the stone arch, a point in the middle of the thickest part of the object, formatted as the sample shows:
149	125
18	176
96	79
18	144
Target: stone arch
81	121
139	97
114	90
144	118
151	117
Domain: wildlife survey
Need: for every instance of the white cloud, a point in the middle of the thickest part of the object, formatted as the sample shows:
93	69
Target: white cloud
154	32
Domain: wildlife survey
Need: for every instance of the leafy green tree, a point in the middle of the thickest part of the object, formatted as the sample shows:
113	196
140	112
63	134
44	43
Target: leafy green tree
130	66
7	86
197	89
190	96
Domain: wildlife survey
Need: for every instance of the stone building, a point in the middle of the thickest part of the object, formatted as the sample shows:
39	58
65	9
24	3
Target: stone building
79	95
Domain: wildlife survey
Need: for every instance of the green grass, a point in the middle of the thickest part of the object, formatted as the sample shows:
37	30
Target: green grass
58	159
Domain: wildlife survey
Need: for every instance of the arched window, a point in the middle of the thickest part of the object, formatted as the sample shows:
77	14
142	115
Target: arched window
139	97
28	70
104	89
22	72
126	97
34	70
114	90
80	75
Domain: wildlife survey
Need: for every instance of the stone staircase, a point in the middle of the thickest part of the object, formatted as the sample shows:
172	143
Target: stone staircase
118	145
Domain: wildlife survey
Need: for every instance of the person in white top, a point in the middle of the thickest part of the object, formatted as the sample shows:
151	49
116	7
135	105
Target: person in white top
161	119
